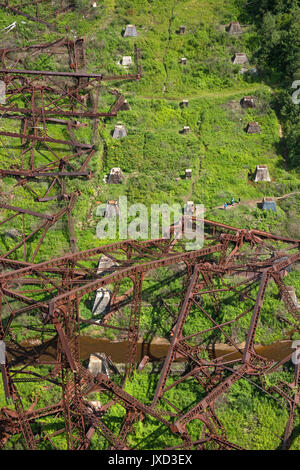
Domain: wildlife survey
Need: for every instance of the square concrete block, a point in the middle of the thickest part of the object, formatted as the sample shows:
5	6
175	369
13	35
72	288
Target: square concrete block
126	60
262	174
130	31
235	28
119	132
240	58
269	204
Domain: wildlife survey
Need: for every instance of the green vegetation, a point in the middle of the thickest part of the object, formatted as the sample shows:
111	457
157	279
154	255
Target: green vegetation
223	157
279	55
254	421
155	154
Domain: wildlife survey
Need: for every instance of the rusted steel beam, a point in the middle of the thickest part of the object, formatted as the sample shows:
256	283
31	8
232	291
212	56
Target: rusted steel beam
38	173
26	211
65	345
200	408
57	112
118	104
98	425
43	46
46	139
5	381
285	295
267	235
68	330
24	299
16	11
72	235
131	271
136	260
97	76
127	399
277	267
49	119
73	257
57	43
134	321
225	443
44	227
294	404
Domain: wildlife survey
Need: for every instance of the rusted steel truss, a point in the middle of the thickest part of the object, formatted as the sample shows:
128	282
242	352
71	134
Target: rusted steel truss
24	241
40	136
52	101
237	265
34	11
13	56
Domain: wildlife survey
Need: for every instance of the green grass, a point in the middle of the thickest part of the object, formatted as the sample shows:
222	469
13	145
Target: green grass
153	158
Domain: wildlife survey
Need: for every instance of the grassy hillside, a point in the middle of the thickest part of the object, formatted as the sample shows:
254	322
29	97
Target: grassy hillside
222	156
155	155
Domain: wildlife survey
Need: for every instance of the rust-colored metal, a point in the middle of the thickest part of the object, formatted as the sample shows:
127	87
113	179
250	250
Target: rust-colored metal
141	274
24	8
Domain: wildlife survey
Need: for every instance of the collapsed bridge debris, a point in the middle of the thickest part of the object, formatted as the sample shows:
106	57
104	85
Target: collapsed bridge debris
56	103
56	292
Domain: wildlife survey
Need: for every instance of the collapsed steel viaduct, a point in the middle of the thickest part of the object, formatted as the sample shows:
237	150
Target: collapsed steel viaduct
239	262
50	298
